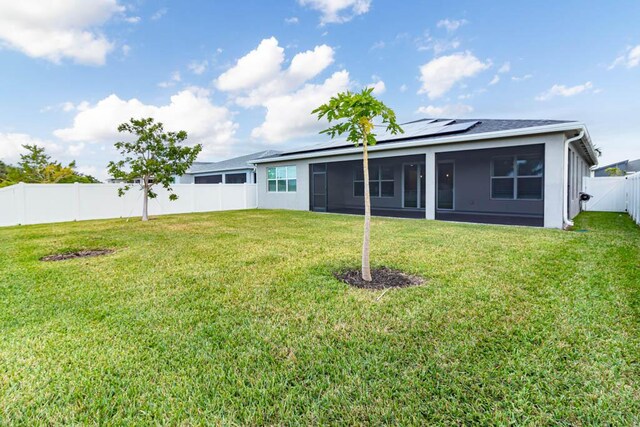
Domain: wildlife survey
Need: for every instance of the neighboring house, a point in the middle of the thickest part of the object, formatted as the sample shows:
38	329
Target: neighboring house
627	166
525	172
238	170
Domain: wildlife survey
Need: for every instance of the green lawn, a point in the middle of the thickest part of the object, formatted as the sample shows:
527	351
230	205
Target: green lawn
234	318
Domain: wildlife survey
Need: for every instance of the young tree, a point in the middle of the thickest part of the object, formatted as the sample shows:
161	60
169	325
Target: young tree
154	158
356	113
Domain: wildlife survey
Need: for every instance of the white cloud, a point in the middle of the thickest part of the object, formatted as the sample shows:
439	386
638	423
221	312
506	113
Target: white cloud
403	88
198	67
439	75
451	24
285	93
630	59
521	78
189	110
378	87
291	20
337	11
126	49
438	46
58	29
252	89
64	106
133	19
159	14
289	115
258	66
495	80
378	45
450	111
562	90
11	146
175	78
505	68
68	106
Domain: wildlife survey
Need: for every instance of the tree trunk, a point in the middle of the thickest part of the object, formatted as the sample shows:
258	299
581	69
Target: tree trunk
366	267
145	201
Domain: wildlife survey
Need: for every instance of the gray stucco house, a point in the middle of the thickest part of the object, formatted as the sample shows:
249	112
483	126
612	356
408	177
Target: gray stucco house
237	170
627	166
522	172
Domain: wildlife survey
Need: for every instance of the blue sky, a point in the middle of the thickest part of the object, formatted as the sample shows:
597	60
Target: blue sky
242	76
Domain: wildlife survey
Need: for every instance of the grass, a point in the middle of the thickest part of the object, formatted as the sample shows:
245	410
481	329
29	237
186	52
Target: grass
234	318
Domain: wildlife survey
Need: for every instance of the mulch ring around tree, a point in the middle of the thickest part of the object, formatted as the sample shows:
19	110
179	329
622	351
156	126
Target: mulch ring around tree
381	278
78	254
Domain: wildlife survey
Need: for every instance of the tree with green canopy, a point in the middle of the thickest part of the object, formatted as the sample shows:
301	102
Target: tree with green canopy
356	115
614	171
36	167
154	158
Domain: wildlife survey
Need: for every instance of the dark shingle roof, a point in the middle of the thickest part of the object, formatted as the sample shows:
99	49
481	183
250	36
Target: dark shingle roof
241	162
424	129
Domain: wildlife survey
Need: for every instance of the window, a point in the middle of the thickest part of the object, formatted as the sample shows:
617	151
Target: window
381	182
281	179
209	179
517	177
235	178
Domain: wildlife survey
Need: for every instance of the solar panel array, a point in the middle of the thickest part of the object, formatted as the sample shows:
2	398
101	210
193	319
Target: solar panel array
412	130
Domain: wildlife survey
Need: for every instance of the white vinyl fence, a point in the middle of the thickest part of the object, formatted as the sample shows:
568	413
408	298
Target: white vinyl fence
614	194
633	196
46	203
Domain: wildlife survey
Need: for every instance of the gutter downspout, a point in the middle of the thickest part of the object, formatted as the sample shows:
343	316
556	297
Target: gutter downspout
565	186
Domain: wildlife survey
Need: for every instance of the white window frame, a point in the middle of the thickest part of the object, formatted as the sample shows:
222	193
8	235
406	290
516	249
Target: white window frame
286	178
515	177
379	181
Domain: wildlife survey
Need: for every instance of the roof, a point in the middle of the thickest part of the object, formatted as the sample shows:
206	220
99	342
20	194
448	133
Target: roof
625	165
235	163
437	131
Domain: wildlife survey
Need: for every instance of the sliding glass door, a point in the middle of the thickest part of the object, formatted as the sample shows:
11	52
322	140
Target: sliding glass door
413	184
446	182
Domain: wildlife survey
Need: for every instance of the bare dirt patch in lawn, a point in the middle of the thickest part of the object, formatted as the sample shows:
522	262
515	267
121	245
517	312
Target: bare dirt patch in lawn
78	254
381	278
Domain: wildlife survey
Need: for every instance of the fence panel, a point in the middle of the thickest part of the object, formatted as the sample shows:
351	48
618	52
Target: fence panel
608	193
614	194
46	203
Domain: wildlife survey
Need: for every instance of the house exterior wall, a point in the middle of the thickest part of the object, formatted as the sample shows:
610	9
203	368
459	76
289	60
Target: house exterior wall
553	178
578	170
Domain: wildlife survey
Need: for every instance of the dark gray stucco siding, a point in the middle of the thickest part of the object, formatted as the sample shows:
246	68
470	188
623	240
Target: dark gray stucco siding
473	181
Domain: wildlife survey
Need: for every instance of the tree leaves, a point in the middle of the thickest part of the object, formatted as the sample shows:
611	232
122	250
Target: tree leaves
36	167
356	114
154	157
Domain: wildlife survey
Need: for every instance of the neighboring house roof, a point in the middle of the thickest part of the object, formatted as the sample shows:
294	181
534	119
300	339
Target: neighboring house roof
440	131
628	166
235	163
